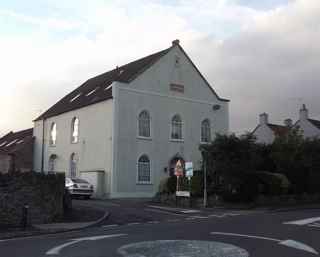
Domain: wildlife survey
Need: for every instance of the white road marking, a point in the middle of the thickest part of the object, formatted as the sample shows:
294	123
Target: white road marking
190	211
288	242
133	223
186	211
110	226
162	211
316	225
200	217
56	250
303	222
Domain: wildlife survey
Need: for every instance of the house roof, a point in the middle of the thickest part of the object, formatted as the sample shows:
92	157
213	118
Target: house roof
99	88
315	123
279	130
14	141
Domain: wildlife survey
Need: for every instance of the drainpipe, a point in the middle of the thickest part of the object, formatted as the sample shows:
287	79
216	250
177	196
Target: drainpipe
42	148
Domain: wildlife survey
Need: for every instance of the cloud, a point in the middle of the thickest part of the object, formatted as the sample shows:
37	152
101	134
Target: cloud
271	66
263	60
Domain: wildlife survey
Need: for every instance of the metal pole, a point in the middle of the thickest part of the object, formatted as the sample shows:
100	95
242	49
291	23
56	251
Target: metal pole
204	181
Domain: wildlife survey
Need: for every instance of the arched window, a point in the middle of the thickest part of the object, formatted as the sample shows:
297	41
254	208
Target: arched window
75	130
144	173
205	131
53	134
52	163
144	124
73	165
176	127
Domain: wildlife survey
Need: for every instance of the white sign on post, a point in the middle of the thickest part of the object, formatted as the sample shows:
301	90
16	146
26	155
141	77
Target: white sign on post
189	169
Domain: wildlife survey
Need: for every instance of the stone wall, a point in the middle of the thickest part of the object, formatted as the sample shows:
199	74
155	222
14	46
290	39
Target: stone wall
43	194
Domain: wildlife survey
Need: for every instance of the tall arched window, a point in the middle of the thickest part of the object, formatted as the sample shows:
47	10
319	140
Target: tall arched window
75	130
144	124
144	172
205	131
73	165
176	127
53	134
52	163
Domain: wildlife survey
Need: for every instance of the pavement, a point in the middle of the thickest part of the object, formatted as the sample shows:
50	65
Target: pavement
137	229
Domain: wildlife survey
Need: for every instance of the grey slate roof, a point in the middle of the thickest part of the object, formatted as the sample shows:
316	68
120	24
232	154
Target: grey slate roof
125	73
13	141
315	123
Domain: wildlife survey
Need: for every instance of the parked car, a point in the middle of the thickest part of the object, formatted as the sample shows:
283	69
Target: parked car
79	187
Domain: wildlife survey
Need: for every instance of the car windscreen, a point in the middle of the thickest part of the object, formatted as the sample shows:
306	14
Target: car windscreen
78	180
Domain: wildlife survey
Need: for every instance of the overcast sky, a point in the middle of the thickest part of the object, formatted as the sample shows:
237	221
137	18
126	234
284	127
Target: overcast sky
264	55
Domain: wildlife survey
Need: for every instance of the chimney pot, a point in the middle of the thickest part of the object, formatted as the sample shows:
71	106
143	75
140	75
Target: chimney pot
176	42
288	122
304	114
263	117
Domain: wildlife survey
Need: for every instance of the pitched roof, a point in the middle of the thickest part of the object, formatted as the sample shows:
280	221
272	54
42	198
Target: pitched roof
279	130
98	88
13	141
315	123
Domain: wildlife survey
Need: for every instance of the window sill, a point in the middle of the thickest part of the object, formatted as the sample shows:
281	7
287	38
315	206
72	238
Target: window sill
53	145
205	143
144	138
74	143
177	140
144	183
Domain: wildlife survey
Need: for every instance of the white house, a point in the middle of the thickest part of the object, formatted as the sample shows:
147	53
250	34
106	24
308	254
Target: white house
266	132
309	128
125	129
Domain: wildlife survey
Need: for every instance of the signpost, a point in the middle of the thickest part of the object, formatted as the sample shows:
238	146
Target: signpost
178	171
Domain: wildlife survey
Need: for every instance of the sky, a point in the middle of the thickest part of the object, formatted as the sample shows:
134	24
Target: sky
263	55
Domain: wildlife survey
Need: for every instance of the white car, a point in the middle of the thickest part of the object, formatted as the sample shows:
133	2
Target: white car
79	187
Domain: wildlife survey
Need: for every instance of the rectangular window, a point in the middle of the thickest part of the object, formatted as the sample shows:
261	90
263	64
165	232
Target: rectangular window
177	88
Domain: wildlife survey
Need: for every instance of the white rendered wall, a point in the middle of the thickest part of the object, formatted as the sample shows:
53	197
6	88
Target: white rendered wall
94	149
150	91
307	128
264	134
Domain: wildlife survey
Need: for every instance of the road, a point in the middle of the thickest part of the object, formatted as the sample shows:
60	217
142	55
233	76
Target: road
169	232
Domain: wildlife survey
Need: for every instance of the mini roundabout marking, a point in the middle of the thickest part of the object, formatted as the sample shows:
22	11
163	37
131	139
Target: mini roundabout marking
189	248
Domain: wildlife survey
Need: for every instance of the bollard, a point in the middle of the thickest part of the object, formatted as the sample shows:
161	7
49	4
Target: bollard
24	220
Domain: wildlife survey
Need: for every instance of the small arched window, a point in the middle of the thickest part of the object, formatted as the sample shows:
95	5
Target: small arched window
75	130
73	165
144	172
52	163
144	124
53	134
205	131
176	127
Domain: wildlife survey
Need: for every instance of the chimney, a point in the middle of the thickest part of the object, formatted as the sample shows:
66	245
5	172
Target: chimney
303	113
263	117
288	122
175	42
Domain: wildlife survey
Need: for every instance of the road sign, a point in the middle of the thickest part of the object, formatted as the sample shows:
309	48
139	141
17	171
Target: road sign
189	169
178	170
183	193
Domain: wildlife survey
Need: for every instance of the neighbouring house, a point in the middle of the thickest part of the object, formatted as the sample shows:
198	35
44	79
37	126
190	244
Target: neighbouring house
310	128
266	132
16	151
124	130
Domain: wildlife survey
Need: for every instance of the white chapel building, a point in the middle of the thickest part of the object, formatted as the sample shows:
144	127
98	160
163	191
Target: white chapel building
124	130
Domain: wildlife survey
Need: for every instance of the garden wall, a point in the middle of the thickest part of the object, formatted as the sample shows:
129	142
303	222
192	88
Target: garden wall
41	192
